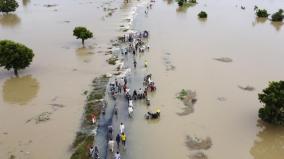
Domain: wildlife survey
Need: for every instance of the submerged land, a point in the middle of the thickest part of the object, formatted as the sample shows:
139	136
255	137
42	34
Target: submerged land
208	74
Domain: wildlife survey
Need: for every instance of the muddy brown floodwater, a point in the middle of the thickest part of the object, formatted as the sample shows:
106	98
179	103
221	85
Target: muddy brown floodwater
231	125
183	49
40	111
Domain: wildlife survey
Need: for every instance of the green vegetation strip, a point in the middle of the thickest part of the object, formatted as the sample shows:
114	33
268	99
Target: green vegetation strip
94	104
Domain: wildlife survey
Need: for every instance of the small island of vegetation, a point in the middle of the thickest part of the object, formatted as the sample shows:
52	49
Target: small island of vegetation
278	16
261	13
186	3
273	98
7	6
202	14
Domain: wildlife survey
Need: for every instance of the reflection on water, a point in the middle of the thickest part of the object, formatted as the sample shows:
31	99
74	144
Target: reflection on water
277	25
9	20
26	2
169	1
20	90
270	142
202	20
259	20
184	8
84	53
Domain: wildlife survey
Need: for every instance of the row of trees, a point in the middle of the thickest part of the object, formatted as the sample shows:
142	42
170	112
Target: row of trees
276	17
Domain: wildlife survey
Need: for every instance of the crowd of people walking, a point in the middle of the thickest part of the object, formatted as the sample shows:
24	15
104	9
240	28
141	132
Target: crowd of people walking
132	44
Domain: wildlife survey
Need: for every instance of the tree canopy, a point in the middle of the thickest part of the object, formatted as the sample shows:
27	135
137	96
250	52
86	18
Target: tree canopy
202	14
273	99
7	6
278	16
82	33
14	55
261	13
186	3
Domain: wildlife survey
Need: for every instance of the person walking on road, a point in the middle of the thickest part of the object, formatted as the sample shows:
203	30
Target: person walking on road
117	155
123	139
117	140
121	128
95	153
111	145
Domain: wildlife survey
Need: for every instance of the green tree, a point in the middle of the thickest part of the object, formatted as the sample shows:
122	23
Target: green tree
180	2
261	13
202	14
8	6
273	99
14	56
82	33
278	16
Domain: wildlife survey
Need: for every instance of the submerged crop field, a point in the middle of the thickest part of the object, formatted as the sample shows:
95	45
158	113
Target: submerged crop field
187	79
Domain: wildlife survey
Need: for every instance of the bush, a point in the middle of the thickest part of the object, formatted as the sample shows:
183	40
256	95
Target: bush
8	5
262	13
278	16
202	14
186	3
180	2
273	98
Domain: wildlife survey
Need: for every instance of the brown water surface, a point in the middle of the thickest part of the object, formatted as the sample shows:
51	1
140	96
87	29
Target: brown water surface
59	74
256	52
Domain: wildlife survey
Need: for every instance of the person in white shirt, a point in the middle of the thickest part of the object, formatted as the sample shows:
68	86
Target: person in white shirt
111	144
117	155
121	128
130	104
130	111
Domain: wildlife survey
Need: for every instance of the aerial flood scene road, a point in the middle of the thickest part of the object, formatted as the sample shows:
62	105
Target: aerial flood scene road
141	79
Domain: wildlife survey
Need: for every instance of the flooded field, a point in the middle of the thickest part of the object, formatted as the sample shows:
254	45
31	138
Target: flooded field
223	112
226	60
52	87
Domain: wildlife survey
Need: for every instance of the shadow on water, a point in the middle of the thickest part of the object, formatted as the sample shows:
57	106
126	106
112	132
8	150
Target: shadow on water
202	20
269	142
259	20
183	9
169	1
277	25
20	90
84	54
26	2
9	20
186	111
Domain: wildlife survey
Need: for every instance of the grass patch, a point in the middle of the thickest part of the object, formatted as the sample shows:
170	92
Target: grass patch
182	94
82	149
112	60
93	106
